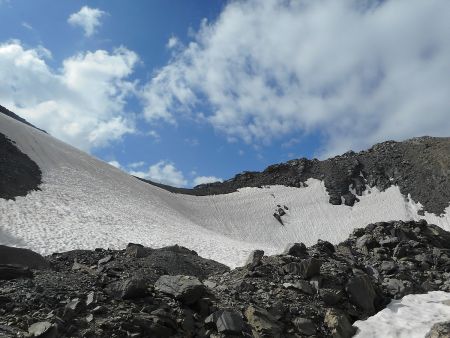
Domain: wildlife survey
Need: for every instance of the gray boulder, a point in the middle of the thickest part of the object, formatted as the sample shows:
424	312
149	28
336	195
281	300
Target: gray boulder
305	326
130	288
338	324
306	268
439	330
187	289
263	323
136	250
361	292
226	322
296	249
43	330
255	258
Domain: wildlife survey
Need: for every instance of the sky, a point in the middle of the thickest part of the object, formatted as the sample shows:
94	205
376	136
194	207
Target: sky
186	92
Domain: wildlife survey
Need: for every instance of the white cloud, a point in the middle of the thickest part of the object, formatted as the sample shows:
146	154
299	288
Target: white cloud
27	25
163	172
83	103
357	72
115	164
206	179
136	165
173	42
87	18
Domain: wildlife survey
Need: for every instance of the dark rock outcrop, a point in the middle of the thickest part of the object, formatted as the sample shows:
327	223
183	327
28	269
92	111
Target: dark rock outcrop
19	174
24	257
419	166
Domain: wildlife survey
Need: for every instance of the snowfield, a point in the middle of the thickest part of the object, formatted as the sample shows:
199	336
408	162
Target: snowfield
411	317
86	203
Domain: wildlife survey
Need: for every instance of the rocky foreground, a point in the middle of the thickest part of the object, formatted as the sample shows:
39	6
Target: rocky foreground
172	292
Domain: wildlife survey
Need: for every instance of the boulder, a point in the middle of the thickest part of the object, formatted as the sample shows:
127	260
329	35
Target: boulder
136	250
296	249
306	268
24	257
43	330
305	326
229	322
361	292
439	330
255	258
330	296
338	324
130	288
187	289
156	324
263	324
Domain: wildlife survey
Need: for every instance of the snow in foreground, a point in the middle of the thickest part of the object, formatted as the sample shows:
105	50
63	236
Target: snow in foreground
85	203
411	317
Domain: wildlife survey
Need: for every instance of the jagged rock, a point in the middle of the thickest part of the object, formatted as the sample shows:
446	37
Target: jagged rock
187	289
296	249
397	288
74	307
301	285
281	212
24	257
156	324
105	260
136	250
330	296
388	267
179	249
43	330
255	258
229	322
439	330
278	218
130	288
306	268
8	272
361	292
305	326
339	324
263	324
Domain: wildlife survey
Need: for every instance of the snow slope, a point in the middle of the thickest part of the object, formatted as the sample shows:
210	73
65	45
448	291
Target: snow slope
411	317
86	203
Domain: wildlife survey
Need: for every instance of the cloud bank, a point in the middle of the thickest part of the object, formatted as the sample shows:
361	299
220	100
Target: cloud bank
357	72
83	103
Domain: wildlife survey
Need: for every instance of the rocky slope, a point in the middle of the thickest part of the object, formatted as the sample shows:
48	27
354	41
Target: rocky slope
18	173
419	166
172	292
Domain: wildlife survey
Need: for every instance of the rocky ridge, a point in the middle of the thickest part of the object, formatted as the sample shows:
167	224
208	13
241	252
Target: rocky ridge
419	167
172	292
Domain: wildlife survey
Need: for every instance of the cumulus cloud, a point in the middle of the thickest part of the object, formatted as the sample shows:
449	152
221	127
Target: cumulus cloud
115	164
87	18
358	72
206	179
82	103
163	172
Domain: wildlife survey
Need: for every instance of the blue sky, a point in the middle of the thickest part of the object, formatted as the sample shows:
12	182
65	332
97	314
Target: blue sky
189	91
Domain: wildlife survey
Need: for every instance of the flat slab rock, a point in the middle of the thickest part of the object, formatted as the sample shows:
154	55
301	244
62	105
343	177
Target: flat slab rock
187	289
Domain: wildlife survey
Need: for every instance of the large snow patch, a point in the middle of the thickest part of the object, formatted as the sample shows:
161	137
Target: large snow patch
411	317
86	203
